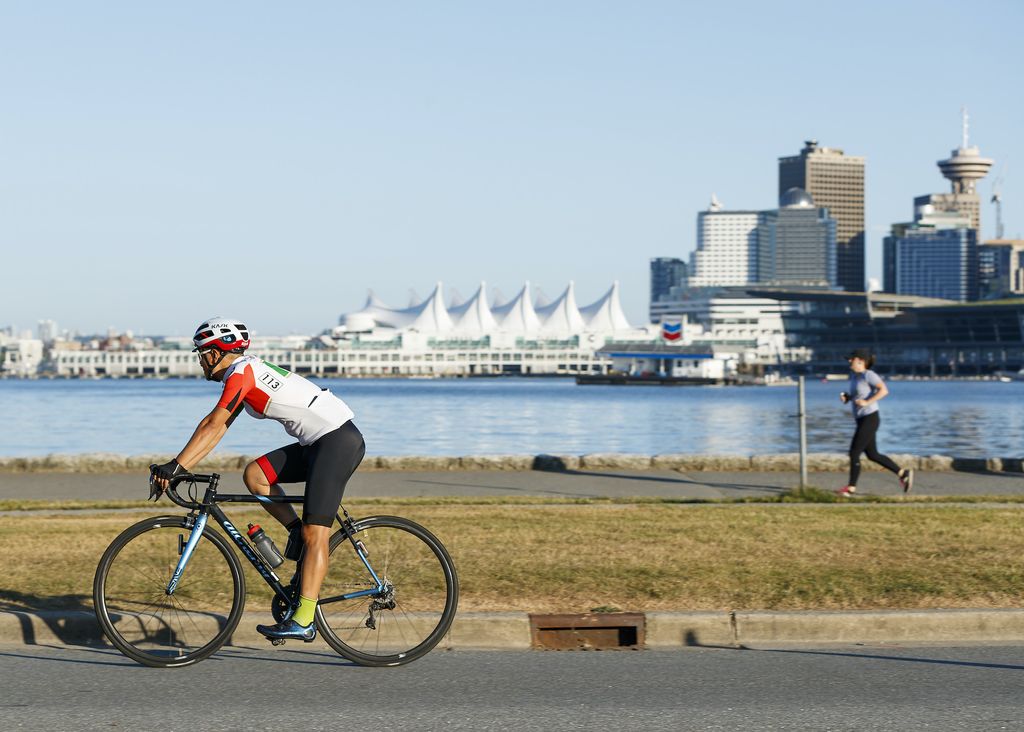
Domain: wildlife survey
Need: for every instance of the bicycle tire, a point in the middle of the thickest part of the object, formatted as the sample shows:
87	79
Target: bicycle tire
418	617
119	594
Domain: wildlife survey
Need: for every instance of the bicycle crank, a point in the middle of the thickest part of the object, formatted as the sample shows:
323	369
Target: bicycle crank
280	608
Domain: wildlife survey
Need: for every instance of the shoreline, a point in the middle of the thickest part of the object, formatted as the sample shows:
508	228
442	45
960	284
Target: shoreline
1001	376
771	463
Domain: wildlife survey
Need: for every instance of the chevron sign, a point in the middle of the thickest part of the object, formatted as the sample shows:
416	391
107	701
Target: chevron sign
671	331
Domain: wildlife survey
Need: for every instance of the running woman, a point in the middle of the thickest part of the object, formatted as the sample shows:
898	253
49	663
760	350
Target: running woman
866	390
328	450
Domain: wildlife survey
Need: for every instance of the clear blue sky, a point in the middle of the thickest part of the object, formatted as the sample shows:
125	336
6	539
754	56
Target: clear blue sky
160	163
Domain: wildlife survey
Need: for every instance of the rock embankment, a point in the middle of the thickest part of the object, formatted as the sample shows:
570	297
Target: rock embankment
785	462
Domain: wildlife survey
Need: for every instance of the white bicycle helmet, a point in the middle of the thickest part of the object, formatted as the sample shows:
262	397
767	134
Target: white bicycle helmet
229	335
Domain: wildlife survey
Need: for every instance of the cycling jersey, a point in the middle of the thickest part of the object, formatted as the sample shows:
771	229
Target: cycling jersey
266	391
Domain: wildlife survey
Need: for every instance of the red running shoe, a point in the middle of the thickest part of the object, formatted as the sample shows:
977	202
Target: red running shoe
846	491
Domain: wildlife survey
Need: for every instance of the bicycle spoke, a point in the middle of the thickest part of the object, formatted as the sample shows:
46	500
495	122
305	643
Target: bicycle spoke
414	606
152	626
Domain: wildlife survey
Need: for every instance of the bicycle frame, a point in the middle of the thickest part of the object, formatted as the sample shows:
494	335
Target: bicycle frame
208	507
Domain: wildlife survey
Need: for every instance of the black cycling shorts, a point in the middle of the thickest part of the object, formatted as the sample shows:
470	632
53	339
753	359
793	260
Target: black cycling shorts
325	466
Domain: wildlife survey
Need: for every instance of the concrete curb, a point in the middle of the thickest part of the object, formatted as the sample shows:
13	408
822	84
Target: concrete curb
784	462
664	630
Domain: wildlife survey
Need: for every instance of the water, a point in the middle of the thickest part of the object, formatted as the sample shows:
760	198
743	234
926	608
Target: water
520	416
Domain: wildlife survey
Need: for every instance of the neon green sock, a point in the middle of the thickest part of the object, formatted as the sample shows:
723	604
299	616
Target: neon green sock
307	608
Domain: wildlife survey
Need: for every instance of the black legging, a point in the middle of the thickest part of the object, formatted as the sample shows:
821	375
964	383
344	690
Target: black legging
864	442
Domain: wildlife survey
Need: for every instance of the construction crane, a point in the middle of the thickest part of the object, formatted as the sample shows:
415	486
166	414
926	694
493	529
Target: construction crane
997	199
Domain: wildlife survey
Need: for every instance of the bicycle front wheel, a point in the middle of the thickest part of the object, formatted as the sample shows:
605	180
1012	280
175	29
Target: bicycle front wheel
159	629
403	617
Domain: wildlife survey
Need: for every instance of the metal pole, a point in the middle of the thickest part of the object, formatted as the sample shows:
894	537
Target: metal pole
802	415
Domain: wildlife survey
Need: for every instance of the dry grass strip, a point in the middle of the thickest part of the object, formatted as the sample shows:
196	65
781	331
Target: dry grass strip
558	557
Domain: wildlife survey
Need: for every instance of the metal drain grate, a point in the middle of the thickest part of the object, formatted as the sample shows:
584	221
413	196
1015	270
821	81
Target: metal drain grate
587	631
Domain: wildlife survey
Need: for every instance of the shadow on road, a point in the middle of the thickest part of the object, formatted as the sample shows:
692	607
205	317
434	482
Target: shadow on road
111	657
771	489
692	641
69	617
514	489
680	481
881	657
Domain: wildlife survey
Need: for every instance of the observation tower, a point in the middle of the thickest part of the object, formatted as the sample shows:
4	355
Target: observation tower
965	167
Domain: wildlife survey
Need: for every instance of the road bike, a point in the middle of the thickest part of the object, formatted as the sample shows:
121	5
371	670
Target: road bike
169	591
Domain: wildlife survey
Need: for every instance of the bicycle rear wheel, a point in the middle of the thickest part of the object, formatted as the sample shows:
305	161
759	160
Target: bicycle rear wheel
138	616
413	611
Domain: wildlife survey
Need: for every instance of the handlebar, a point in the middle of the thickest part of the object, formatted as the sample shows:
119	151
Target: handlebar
172	486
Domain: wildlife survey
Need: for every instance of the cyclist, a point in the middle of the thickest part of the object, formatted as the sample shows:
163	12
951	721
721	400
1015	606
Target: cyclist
328	451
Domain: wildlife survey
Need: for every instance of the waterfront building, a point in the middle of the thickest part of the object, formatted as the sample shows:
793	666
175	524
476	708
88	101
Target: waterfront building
1000	268
910	335
835	181
935	256
406	355
796	245
735	318
726	253
813	329
21	356
705	363
427	338
666	273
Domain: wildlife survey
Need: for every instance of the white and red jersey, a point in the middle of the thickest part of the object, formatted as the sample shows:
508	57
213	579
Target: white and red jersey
270	392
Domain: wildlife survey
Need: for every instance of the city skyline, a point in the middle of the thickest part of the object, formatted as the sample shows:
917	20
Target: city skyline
386	150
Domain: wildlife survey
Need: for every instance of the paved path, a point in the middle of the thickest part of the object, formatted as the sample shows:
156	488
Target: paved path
839	688
621	483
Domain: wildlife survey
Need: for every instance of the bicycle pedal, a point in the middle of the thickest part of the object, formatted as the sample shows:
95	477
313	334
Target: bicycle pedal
276	641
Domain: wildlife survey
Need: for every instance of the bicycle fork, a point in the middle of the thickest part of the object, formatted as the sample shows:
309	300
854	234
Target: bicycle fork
186	553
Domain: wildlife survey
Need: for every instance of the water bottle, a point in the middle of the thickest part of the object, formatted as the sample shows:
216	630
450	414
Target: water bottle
265	546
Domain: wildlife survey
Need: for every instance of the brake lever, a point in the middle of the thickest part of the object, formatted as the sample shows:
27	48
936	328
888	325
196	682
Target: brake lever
155	491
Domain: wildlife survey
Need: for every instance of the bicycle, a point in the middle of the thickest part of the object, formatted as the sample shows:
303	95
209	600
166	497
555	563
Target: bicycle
169	591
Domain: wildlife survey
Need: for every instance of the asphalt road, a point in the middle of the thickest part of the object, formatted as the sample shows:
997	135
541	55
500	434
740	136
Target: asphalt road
660	483
845	688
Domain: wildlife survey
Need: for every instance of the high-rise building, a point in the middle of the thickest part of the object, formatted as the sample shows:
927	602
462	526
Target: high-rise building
964	168
935	256
1001	268
797	243
666	273
836	182
889	257
726	252
47	330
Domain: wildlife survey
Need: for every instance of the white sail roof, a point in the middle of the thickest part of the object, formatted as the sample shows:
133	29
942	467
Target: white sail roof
520	316
429	316
517	315
474	316
606	314
432	315
562	317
